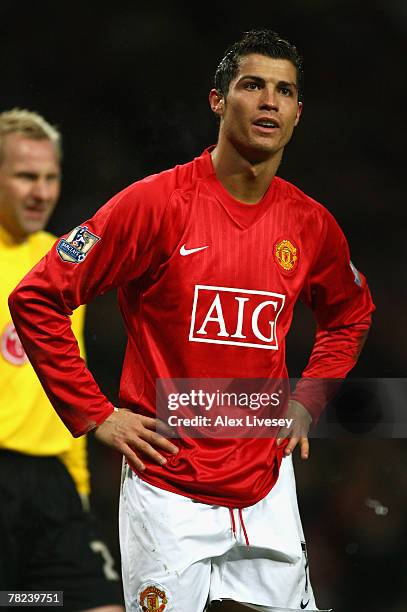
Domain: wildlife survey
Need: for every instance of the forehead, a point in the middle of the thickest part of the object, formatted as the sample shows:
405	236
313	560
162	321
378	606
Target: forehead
20	150
266	68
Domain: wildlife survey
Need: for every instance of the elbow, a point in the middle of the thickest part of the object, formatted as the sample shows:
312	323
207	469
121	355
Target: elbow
19	300
15	300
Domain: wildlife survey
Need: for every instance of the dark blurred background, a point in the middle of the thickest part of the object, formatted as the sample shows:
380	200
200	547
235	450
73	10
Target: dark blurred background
127	84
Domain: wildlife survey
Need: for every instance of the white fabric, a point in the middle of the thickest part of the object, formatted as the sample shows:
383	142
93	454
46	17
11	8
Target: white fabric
183	554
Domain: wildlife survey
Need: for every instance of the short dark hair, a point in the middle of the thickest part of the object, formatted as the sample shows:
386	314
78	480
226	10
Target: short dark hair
263	42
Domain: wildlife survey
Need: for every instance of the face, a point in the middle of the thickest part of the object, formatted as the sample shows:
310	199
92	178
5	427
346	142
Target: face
29	184
261	109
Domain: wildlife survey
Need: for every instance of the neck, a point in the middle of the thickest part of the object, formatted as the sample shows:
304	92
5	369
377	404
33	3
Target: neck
246	180
10	238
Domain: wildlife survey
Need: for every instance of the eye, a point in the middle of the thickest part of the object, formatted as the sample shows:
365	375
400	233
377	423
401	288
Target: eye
52	178
286	91
26	176
252	86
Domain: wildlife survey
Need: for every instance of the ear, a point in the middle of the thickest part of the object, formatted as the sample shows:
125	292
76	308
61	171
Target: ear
217	102
299	111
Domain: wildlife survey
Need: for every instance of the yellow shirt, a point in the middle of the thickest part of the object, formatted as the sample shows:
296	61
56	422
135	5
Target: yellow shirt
28	423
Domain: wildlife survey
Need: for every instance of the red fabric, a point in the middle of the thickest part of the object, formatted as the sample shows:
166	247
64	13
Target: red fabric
177	330
233	523
243	527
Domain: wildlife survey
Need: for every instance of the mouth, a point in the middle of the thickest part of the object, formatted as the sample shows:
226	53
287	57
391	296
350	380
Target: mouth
266	125
35	211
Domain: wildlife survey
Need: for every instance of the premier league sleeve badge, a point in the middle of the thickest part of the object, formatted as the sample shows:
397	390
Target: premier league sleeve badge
75	248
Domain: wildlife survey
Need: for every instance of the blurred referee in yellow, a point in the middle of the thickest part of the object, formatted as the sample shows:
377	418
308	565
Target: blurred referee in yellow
47	539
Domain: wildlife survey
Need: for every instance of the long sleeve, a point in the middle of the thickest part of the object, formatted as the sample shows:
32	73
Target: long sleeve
76	458
340	299
109	250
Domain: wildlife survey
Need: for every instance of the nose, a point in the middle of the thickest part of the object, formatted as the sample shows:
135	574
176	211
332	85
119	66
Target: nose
41	190
268	100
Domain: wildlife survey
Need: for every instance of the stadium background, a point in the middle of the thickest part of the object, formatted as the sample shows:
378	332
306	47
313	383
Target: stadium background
127	85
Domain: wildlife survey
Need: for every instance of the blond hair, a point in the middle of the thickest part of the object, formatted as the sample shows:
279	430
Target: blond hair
30	124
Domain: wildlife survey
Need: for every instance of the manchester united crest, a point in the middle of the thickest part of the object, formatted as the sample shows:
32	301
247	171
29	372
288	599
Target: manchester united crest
286	254
152	597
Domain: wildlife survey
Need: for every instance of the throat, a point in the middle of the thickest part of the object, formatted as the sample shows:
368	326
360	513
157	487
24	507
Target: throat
246	191
245	181
247	187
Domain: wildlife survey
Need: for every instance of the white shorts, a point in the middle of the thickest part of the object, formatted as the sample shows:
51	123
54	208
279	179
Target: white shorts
178	555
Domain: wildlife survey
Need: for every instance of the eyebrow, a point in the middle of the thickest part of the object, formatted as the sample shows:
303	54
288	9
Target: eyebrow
258	79
35	173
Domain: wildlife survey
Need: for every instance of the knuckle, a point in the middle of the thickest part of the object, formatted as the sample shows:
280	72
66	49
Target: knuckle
142	446
156	437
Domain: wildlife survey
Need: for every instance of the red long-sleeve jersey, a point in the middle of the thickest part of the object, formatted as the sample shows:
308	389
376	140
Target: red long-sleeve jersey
206	288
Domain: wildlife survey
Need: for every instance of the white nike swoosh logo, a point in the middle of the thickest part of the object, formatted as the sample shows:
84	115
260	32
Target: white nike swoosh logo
184	251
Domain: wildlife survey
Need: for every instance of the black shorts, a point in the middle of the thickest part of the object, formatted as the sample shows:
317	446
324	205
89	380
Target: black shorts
47	541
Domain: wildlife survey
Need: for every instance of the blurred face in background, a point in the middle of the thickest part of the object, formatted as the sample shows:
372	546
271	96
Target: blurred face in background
29	184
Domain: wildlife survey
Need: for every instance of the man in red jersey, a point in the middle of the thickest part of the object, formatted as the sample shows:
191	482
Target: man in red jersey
209	259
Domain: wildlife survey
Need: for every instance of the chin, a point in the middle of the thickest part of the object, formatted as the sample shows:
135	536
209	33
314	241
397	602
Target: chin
32	228
261	152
